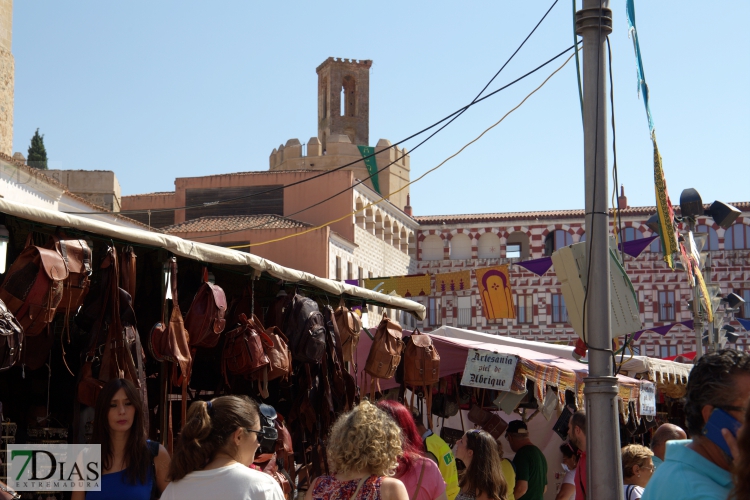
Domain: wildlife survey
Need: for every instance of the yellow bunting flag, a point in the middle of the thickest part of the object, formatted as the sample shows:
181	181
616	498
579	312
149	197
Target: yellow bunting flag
453	282
664	210
495	290
403	286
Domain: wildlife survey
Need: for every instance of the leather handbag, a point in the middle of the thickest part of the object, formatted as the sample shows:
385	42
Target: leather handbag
77	256
279	357
445	402
490	422
11	338
33	287
385	353
350	327
128	270
205	318
451	436
170	341
244	352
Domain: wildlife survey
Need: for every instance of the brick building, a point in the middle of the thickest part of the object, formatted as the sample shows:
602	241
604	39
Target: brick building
453	243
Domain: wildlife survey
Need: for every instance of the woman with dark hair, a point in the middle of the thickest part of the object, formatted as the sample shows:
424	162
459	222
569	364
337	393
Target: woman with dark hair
483	478
216	447
569	464
419	474
132	466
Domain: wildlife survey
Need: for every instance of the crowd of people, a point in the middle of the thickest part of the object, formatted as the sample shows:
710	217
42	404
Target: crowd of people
383	450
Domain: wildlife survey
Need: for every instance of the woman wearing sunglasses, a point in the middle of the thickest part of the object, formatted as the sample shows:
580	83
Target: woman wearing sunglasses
637	469
216	446
483	478
569	464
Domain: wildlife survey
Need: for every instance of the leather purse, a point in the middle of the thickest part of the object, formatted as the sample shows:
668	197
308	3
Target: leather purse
279	356
490	422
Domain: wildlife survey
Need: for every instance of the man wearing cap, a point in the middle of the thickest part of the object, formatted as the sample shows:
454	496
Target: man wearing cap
531	466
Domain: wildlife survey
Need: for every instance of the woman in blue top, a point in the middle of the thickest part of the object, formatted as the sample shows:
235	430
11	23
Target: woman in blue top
132	467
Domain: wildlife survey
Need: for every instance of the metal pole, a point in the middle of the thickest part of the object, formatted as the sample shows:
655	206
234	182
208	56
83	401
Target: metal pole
603	462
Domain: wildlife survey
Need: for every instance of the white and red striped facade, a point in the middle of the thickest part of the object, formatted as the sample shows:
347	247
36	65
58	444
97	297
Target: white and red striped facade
465	242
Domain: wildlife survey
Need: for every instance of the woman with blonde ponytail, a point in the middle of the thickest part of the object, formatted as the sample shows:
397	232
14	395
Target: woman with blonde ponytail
216	446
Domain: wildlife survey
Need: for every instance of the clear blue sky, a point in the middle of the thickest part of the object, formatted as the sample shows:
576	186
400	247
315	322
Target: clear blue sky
158	90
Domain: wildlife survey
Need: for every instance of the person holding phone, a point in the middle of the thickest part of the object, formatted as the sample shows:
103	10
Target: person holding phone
718	394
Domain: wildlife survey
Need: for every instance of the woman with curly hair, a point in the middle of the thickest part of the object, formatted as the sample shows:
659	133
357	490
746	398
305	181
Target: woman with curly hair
363	452
483	478
420	475
637	469
217	445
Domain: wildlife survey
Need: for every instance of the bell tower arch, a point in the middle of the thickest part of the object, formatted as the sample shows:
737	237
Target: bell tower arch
344	100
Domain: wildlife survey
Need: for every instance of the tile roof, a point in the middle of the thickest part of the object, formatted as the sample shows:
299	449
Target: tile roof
551	214
252	172
156	193
234	222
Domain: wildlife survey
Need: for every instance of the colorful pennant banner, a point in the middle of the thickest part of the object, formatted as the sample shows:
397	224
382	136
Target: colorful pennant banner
495	290
404	286
452	282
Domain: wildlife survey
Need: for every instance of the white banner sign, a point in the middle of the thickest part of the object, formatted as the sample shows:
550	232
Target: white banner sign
489	370
54	467
648	399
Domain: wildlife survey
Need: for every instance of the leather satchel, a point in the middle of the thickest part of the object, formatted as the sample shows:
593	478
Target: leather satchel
490	422
33	287
279	357
169	341
350	327
244	352
385	353
77	256
11	338
205	318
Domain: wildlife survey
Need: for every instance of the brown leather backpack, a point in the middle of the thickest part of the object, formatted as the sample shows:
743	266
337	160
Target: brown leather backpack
385	353
205	318
77	256
244	352
279	357
169	341
350	326
33	287
421	366
11	338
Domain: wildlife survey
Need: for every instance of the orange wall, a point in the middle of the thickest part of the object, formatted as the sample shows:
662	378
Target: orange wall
295	197
308	252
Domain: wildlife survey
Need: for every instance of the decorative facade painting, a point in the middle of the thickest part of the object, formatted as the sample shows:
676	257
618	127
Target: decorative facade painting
404	286
453	282
495	290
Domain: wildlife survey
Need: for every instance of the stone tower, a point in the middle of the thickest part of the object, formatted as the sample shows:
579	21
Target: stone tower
344	100
7	76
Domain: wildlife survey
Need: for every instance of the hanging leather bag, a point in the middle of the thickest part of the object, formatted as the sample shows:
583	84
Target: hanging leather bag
279	357
11	338
33	287
205	318
350	326
490	422
77	256
305	328
385	353
421	366
170	341
244	352
128	271
445	402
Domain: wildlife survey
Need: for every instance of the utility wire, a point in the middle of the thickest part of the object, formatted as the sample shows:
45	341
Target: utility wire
382	169
418	178
452	117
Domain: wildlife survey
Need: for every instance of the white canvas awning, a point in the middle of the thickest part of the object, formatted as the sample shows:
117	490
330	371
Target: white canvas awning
203	252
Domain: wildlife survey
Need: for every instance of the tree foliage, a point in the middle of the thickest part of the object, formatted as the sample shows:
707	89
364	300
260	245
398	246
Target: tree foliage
37	153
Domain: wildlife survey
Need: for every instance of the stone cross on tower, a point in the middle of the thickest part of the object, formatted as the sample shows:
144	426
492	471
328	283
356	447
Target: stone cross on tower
347	114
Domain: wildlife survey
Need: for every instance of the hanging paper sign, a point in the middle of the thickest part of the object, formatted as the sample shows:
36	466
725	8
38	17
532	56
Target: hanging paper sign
648	399
489	370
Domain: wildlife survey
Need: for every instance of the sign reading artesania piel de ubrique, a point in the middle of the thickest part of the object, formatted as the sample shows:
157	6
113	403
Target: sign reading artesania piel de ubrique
489	370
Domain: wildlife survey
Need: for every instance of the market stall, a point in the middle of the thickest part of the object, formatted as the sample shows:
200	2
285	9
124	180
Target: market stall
151	279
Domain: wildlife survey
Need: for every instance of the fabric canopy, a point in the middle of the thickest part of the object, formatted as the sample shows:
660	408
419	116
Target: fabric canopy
203	252
544	368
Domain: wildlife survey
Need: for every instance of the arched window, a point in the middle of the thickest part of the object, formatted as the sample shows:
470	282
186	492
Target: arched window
432	248
517	246
488	246
712	242
655	245
556	240
737	237
460	247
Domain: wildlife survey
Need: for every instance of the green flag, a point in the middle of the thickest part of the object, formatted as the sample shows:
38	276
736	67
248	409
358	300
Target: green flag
372	166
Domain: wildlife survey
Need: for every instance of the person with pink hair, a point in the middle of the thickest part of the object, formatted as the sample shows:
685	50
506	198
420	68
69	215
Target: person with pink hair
419	474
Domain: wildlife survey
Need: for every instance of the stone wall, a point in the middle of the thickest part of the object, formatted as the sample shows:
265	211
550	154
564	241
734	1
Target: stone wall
7	76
